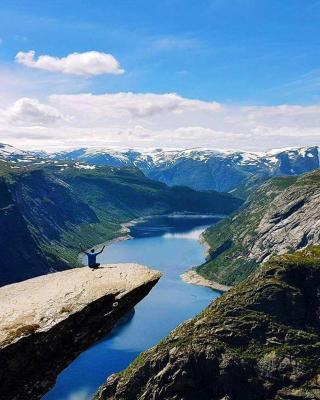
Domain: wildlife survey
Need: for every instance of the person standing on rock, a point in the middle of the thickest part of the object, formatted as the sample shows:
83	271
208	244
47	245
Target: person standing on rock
92	257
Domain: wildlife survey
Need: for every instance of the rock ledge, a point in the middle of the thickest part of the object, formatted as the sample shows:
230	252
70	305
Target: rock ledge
45	322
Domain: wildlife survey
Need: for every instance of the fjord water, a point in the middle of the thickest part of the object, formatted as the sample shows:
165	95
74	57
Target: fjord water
168	244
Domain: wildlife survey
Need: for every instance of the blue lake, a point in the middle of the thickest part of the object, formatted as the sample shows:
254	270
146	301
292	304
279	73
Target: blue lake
170	245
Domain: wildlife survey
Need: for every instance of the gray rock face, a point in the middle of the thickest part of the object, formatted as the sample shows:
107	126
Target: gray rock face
282	215
45	322
20	247
259	341
291	222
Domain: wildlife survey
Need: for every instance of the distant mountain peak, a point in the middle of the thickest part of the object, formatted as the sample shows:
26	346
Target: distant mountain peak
198	168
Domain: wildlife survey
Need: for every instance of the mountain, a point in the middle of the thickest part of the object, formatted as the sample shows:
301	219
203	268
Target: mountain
259	341
47	209
281	216
10	153
199	169
204	169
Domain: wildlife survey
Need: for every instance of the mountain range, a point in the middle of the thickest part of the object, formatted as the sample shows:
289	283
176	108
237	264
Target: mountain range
200	169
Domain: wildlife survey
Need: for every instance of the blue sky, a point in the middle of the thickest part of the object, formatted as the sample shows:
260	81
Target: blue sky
261	51
235	52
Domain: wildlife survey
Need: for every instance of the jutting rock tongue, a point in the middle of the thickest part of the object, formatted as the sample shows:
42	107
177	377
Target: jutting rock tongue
46	322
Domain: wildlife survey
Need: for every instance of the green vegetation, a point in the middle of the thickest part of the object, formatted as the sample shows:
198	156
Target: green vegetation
230	242
59	207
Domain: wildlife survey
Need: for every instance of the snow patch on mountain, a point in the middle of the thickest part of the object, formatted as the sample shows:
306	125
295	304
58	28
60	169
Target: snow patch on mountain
201	169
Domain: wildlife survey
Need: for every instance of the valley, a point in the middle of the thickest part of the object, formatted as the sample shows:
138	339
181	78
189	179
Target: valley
50	209
159	200
169	245
261	241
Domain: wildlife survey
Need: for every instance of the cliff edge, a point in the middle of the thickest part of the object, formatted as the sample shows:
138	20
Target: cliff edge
45	322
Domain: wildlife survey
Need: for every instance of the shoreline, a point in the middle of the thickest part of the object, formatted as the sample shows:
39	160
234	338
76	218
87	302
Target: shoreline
124	235
124	232
193	278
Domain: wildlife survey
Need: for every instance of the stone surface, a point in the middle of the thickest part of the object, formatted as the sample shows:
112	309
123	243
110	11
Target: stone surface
259	341
282	216
45	322
291	222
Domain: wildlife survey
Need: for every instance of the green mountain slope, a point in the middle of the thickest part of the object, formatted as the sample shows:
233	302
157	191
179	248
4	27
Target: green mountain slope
281	216
259	341
55	207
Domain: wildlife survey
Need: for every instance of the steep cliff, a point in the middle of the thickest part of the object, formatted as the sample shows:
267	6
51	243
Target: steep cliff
45	322
281	216
18	247
259	341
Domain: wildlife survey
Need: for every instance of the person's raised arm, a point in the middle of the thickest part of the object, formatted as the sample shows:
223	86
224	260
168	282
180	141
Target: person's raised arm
101	250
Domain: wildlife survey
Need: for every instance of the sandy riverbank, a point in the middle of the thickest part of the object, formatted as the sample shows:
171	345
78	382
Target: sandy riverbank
194	278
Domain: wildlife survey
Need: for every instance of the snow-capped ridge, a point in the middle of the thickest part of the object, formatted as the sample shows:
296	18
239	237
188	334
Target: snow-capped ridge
198	168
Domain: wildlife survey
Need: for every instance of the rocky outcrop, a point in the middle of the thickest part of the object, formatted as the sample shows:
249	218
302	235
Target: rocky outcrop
281	216
45	322
291	222
259	341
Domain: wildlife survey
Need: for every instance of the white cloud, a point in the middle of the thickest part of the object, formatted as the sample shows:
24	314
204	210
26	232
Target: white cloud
154	120
29	112
133	105
87	63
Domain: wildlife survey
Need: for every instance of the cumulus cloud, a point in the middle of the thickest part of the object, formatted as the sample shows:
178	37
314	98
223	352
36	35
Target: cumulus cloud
133	105
28	112
87	63
154	120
